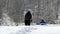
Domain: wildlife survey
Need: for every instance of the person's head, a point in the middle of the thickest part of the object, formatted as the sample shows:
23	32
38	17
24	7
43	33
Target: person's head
28	12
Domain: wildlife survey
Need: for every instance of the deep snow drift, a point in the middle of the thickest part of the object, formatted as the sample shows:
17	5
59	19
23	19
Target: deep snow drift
36	29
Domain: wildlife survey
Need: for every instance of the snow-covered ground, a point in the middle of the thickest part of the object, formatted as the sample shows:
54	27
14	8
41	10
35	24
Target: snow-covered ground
36	29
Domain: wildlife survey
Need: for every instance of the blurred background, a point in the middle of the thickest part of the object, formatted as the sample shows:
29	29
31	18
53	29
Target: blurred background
12	12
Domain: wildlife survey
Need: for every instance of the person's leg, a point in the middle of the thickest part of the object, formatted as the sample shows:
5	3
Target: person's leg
28	22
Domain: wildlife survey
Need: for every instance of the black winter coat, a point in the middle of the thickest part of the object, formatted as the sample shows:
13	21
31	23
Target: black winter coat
28	16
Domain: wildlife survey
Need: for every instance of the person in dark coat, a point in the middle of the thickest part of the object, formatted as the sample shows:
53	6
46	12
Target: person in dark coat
28	18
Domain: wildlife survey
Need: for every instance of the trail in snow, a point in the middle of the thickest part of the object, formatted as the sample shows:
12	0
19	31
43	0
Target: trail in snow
36	29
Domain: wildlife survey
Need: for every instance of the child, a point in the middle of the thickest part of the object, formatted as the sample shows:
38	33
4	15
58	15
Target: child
42	22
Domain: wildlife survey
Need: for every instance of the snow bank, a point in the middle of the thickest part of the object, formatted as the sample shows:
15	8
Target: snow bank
36	29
